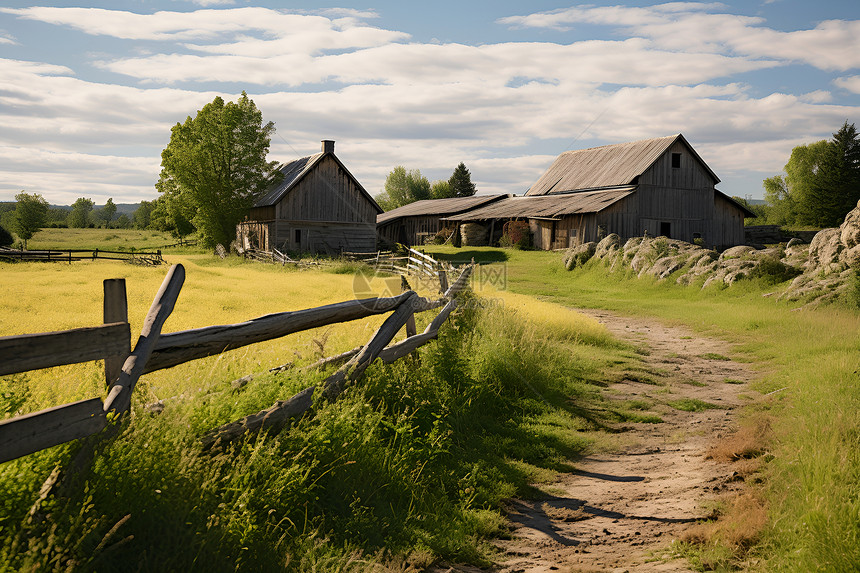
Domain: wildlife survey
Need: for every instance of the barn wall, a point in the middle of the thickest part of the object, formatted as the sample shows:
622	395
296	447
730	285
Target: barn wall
327	193
411	230
330	237
254	234
690	175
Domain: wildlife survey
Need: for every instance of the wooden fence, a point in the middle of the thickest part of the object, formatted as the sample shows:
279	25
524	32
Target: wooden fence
154	351
69	255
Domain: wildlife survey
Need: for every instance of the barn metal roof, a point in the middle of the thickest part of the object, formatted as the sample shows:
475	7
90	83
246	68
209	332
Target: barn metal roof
547	206
440	207
295	170
606	166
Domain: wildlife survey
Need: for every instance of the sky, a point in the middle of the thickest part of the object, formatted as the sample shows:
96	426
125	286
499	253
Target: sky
90	90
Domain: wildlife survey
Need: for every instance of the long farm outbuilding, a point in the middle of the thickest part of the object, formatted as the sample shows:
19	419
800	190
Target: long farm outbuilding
417	222
654	187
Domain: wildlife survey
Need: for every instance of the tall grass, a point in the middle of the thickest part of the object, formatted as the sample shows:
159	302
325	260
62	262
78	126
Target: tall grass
42	297
409	466
809	358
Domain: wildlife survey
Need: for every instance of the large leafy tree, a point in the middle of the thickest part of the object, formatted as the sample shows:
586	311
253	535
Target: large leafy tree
79	218
821	182
30	214
215	165
461	182
171	213
403	187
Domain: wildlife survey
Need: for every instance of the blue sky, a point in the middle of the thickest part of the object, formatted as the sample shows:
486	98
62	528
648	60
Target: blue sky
88	94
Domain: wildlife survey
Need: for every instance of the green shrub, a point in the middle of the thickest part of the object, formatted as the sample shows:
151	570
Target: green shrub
771	271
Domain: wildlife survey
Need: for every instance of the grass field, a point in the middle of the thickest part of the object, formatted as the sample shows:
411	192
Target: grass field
417	455
104	239
407	468
809	358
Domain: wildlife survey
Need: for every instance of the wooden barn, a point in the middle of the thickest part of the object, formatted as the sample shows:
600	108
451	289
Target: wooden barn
416	222
318	207
654	187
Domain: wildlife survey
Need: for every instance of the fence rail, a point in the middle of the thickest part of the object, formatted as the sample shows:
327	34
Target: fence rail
69	255
154	351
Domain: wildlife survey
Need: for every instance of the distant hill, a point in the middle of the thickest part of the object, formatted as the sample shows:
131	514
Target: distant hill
127	208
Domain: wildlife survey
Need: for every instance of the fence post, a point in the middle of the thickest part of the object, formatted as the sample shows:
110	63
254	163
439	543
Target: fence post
115	310
443	280
410	322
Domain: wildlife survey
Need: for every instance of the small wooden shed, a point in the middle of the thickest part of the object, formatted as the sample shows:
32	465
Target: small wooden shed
317	207
655	187
416	222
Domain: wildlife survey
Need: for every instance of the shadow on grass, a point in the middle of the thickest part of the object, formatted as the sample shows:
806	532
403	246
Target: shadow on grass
465	256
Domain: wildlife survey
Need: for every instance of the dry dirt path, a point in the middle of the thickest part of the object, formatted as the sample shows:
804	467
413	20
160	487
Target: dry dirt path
619	510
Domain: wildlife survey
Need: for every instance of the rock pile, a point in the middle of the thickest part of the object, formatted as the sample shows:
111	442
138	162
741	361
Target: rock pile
824	269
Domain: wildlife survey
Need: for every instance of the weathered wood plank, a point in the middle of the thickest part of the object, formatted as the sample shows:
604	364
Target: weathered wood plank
115	310
44	350
39	430
179	347
273	418
354	369
119	398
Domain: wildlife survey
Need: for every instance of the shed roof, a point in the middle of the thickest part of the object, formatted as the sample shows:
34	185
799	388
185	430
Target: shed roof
294	171
606	166
440	207
547	206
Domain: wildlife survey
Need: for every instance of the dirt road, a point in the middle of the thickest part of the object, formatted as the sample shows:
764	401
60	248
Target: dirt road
620	510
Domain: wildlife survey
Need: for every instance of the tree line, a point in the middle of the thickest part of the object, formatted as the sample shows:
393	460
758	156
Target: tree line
820	186
403	187
31	212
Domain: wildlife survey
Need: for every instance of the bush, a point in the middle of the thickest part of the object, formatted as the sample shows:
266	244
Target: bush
771	270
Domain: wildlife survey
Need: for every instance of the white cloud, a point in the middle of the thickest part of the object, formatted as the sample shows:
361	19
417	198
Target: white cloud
831	45
388	102
850	83
319	31
206	3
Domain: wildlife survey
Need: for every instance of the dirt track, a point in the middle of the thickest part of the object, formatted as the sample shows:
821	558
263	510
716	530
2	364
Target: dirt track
620	510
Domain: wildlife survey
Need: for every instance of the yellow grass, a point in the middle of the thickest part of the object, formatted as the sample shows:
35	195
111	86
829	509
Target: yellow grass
42	297
551	319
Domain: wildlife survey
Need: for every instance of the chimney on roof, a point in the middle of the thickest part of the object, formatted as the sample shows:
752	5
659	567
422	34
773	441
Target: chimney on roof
327	146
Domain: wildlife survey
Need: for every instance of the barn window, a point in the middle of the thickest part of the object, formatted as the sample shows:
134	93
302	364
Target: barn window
676	161
298	235
666	229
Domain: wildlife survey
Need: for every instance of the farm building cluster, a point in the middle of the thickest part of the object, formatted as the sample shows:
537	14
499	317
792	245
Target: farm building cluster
653	187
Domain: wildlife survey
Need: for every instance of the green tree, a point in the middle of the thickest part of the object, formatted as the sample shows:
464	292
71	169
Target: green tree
216	165
123	222
79	218
821	182
842	170
403	187
461	182
441	190
143	214
106	213
30	214
171	214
